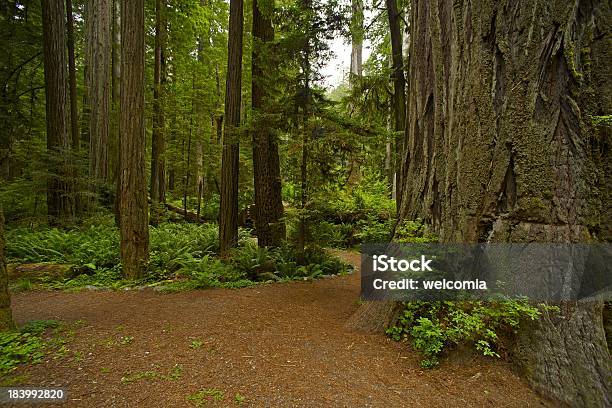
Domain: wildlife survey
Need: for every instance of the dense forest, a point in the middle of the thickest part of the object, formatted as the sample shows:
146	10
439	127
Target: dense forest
151	149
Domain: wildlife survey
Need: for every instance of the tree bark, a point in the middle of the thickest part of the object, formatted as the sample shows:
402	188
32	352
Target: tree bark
354	173
133	200
501	147
74	114
228	214
269	225
115	142
98	84
6	315
199	177
59	205
158	145
398	99
356	37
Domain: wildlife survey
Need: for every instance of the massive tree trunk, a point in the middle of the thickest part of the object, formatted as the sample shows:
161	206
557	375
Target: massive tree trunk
6	315
133	194
158	144
74	114
98	84
501	147
59	205
269	225
398	99
228	213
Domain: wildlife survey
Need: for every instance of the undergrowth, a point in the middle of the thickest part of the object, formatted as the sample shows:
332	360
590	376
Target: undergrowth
182	257
26	345
434	328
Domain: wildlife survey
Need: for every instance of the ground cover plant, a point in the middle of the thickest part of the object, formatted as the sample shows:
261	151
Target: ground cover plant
183	256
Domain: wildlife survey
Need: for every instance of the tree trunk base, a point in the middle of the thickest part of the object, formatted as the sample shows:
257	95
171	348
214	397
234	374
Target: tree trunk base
374	317
564	356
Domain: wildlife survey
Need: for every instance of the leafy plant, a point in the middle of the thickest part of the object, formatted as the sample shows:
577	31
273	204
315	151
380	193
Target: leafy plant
24	346
434	327
201	397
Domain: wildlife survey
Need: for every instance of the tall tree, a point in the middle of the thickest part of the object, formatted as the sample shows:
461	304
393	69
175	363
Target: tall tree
6	315
228	213
356	37
98	84
133	194
269	224
74	114
115	145
59	204
398	99
354	174
158	144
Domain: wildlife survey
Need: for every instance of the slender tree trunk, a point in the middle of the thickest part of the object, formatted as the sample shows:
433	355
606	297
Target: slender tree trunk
356	37
59	204
228	214
6	315
199	177
398	98
98	79
303	227
74	114
133	200
115	144
269	224
354	174
188	167
158	172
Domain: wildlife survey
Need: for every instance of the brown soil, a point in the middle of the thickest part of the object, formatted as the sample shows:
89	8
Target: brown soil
277	345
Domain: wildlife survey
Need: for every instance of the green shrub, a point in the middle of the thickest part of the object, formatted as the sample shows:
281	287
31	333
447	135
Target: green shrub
25	345
434	327
331	235
182	256
374	231
413	232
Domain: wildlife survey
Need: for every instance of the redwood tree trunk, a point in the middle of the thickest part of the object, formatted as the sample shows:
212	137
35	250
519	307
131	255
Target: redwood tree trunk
6	315
74	114
228	213
354	171
133	200
269	226
59	204
115	143
158	144
501	147
398	99
98	84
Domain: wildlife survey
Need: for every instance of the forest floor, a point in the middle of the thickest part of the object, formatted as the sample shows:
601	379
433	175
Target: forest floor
280	345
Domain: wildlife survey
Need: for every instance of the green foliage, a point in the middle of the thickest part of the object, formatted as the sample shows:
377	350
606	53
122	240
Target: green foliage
413	232
96	245
202	397
175	373
366	201
24	346
435	327
182	257
285	263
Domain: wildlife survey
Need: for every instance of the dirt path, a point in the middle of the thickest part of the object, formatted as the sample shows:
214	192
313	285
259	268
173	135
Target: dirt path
279	345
